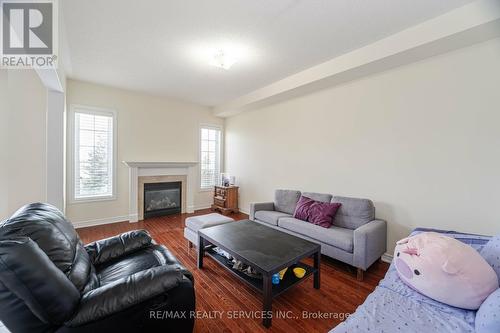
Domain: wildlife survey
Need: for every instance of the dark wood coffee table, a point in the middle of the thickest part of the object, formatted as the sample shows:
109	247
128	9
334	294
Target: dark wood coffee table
265	249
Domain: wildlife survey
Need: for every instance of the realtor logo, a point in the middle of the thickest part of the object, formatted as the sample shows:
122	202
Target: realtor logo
28	34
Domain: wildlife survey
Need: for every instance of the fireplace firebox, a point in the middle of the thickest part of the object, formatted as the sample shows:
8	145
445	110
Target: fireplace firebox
162	199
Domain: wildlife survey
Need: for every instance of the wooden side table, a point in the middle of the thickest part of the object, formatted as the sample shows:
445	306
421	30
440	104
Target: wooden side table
226	199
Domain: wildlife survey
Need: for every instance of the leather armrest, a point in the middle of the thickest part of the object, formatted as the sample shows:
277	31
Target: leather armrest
29	273
107	249
256	206
124	293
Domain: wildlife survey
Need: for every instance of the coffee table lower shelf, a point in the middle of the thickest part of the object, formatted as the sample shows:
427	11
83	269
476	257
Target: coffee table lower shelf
289	279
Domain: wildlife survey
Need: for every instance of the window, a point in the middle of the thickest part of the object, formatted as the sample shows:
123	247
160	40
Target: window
93	151
210	156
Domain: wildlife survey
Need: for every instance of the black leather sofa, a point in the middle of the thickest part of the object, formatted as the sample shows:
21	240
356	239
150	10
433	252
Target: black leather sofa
51	282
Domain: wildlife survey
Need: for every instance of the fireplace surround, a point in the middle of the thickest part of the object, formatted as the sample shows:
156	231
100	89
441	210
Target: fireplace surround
141	173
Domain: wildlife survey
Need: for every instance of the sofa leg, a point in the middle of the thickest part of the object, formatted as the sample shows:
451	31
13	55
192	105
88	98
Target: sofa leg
360	274
190	246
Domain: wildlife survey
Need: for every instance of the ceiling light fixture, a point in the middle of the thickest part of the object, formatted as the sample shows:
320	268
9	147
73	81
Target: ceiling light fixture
222	59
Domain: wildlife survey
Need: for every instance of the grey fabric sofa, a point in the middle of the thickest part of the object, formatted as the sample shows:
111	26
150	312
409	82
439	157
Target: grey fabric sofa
356	237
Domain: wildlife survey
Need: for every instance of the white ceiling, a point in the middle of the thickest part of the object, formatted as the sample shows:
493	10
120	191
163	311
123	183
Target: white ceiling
155	46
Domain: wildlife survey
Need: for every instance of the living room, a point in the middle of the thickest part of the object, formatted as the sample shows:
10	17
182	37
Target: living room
235	166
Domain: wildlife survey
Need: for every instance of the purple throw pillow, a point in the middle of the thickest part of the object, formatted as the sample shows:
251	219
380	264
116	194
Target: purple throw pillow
316	212
302	208
323	213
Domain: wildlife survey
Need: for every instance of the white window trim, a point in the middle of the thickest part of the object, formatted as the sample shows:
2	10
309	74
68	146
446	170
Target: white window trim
71	141
221	152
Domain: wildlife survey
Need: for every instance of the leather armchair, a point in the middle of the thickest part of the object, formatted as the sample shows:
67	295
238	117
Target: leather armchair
51	282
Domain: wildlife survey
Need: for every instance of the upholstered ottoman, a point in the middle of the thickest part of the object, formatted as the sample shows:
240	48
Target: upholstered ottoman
195	223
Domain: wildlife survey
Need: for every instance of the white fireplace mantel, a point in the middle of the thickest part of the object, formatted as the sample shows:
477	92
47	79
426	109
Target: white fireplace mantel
137	169
160	164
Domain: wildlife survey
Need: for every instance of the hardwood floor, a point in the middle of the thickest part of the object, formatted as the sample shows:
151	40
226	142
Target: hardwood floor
217	290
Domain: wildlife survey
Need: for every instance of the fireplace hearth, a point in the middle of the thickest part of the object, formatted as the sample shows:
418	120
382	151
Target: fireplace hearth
162	199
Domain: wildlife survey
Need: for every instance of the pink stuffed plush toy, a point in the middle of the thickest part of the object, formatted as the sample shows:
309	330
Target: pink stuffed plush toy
445	269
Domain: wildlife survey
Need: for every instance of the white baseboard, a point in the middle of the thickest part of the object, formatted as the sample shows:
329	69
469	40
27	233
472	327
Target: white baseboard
125	218
202	207
386	257
108	220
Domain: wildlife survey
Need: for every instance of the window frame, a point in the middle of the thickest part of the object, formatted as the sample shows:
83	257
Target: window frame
77	108
220	155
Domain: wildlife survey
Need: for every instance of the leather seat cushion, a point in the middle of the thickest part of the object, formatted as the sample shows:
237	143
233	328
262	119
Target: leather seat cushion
138	318
153	256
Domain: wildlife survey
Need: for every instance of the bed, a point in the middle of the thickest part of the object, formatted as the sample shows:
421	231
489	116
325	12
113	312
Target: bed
395	307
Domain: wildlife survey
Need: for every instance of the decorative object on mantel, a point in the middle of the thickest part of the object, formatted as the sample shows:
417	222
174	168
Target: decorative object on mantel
226	199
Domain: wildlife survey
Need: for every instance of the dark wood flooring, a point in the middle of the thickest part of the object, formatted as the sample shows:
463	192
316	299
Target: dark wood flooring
217	290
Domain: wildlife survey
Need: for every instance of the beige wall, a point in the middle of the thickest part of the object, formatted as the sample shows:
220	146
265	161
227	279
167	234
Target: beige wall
149	129
422	141
23	115
4	107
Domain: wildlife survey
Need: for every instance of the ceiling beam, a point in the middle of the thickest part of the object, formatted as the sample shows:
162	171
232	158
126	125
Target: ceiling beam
467	25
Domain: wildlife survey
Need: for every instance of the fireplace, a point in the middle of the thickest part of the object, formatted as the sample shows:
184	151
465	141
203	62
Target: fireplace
162	199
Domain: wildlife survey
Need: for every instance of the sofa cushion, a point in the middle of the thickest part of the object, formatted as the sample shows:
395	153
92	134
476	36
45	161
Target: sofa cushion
323	197
323	213
341	238
303	207
286	200
269	216
316	212
353	213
